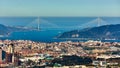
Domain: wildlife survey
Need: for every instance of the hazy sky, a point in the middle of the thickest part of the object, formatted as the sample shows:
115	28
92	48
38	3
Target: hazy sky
59	7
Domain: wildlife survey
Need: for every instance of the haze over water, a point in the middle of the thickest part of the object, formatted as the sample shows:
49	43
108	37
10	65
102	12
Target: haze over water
56	16
51	27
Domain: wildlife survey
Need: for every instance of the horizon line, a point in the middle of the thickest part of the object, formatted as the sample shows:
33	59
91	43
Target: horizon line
59	16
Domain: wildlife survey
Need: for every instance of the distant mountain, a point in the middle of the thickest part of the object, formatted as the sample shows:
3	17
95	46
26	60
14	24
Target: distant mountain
5	30
102	32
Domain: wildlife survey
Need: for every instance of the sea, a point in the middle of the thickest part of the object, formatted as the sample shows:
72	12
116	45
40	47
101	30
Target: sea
51	27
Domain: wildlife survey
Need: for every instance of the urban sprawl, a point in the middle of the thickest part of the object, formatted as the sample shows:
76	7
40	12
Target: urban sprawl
68	54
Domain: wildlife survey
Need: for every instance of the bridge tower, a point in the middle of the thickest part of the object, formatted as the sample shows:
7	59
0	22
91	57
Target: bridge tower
98	21
38	24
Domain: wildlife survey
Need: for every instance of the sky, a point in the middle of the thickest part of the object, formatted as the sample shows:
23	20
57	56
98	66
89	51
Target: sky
60	8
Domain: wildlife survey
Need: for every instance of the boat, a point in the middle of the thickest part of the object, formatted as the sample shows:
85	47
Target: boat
110	39
1	35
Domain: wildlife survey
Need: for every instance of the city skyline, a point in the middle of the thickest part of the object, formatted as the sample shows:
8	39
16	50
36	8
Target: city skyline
59	8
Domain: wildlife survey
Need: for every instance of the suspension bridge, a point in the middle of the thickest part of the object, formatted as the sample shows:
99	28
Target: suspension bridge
40	23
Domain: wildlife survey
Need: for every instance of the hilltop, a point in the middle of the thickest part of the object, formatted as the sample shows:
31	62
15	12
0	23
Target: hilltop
101	32
5	30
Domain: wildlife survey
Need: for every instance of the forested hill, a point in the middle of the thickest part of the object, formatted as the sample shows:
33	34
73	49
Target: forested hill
106	31
4	30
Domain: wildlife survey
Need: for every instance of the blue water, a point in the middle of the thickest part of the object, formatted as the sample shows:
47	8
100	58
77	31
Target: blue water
51	26
42	36
38	36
